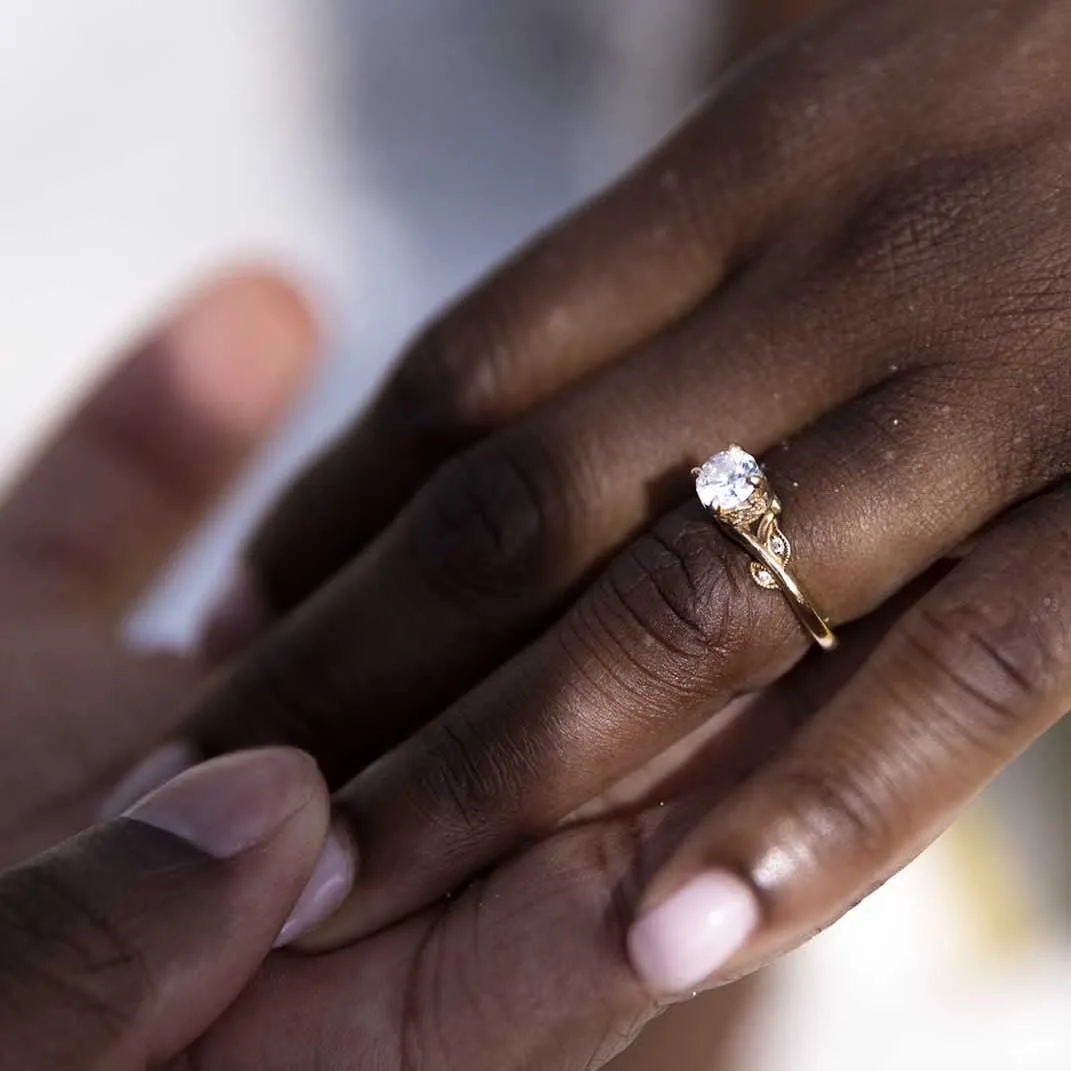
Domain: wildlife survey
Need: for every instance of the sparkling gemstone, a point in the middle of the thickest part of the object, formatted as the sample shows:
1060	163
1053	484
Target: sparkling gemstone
778	546
727	480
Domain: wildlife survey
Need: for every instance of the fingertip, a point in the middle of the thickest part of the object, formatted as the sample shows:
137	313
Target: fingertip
230	805
242	348
327	889
679	945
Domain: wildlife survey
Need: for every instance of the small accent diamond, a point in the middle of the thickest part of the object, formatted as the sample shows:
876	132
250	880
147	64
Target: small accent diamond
778	546
728	480
763	577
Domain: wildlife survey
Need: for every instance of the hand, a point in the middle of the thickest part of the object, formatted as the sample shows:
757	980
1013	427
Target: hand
122	947
855	262
526	968
119	947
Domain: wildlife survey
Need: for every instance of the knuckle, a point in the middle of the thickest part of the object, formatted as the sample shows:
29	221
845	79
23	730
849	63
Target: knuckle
671	606
957	221
448	388
936	209
987	666
573	887
60	942
676	585
473	783
611	861
830	807
601	869
495	521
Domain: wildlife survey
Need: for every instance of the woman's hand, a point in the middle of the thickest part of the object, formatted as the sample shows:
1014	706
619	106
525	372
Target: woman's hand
856	261
525	968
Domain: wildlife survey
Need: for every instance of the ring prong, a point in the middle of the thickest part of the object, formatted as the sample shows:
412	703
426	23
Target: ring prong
695	472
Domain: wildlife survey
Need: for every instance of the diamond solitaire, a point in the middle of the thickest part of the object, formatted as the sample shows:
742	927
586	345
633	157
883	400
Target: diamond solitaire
728	480
735	491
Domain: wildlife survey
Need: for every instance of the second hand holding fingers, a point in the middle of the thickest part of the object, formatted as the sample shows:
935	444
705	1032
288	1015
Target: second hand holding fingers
673	629
955	420
479	980
121	946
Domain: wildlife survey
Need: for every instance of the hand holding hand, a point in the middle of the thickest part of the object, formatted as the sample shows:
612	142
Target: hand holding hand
854	261
123	947
119	947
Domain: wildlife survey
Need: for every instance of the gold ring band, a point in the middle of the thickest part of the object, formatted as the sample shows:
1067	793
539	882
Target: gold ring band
734	490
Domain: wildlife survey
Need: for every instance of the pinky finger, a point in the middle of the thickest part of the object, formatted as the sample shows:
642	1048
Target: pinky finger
965	682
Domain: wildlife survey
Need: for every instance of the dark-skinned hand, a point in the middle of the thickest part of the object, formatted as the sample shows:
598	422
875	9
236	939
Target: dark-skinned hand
497	595
123	947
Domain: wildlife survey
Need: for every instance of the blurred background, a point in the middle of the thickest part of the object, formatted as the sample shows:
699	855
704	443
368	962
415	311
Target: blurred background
387	152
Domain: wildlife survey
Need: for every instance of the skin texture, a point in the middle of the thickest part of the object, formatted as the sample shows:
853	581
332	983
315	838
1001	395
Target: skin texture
854	261
904	158
91	974
148	455
749	25
121	945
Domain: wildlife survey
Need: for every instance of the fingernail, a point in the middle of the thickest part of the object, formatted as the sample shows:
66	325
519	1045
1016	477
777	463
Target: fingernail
156	770
330	884
681	943
239	617
229	805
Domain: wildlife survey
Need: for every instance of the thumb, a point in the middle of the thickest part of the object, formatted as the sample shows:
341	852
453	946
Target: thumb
120	947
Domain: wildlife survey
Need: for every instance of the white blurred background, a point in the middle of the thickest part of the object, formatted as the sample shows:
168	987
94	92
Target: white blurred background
388	151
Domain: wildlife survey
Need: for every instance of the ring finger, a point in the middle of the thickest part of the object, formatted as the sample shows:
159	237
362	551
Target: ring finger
671	631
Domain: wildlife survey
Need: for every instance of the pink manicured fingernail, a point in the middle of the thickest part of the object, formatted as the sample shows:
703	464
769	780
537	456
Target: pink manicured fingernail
681	943
228	806
156	770
328	887
239	617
